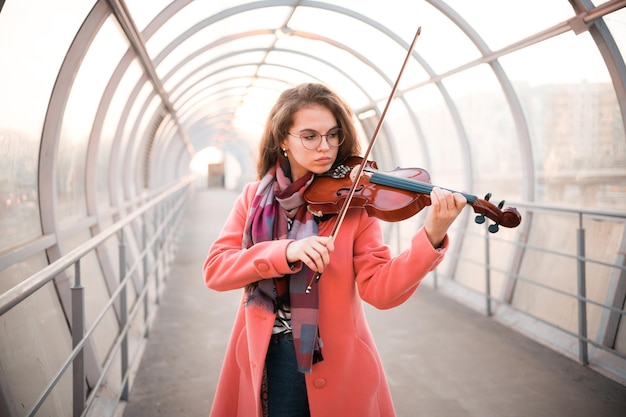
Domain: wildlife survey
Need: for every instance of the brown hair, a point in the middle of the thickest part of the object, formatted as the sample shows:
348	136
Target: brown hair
281	116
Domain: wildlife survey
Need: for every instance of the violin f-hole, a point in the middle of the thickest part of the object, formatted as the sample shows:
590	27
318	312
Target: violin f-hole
358	189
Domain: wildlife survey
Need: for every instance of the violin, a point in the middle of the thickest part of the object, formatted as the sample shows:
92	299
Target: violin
393	195
379	193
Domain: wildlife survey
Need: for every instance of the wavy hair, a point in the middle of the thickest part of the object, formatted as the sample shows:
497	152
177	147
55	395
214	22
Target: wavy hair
280	120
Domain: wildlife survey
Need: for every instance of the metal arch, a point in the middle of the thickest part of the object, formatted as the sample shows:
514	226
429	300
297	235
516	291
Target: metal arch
121	13
119	134
47	164
507	87
262	4
237	66
592	16
224	56
250	50
491	57
132	157
91	167
609	320
319	38
522	129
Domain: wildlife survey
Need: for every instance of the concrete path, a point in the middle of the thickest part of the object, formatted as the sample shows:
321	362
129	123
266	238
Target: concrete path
442	359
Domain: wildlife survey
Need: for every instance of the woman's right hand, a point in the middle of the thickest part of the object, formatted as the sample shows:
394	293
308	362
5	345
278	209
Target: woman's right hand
314	251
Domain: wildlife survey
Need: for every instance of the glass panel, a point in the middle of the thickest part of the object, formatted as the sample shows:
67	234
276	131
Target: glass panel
265	18
444	159
198	91
143	11
339	70
353	67
110	130
139	155
19	199
188	77
616	22
95	70
492	135
340	29
577	130
34	343
559	271
500	23
120	169
26	85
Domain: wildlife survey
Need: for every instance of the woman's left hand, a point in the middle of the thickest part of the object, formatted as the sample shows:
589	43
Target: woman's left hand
444	209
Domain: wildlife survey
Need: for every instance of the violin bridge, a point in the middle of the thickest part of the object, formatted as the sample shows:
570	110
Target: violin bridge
354	172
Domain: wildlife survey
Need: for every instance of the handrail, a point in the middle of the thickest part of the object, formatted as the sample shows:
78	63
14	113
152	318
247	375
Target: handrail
576	210
169	204
23	290
578	279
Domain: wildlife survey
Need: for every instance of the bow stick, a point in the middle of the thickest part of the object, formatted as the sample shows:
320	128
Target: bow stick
359	172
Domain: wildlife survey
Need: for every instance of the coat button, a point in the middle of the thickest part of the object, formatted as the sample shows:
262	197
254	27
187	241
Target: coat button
262	266
319	383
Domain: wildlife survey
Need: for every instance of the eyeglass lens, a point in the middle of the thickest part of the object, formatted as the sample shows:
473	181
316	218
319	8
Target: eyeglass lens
312	139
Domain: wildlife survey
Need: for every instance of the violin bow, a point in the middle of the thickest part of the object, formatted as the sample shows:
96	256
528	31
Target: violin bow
359	173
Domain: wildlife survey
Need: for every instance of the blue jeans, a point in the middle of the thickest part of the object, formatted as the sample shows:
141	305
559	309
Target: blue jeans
286	386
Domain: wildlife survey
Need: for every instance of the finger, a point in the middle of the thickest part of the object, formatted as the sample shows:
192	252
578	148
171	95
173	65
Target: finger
435	199
318	255
459	200
446	199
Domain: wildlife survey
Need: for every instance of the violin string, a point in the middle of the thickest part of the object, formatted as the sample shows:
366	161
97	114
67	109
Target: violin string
409	184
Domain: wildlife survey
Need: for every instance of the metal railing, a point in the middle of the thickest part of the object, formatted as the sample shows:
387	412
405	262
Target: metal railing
613	305
164	212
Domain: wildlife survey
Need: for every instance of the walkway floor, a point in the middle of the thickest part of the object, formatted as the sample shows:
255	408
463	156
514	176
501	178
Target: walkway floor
442	359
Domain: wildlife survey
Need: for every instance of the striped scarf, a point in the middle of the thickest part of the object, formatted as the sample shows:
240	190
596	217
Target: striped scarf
278	211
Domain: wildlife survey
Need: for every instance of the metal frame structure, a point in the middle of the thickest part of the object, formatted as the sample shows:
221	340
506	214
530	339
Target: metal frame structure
133	235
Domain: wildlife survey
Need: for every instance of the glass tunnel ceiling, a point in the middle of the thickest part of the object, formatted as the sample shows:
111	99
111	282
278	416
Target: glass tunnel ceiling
468	107
223	64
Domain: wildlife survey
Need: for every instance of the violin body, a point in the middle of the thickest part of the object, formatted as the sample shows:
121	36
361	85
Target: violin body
391	196
328	192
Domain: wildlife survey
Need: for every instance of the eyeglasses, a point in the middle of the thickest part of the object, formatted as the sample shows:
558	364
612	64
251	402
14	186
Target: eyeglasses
311	139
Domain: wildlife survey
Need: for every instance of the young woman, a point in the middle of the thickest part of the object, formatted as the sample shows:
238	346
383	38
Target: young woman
293	353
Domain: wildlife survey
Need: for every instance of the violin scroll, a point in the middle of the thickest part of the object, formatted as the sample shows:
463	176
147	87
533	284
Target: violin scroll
508	217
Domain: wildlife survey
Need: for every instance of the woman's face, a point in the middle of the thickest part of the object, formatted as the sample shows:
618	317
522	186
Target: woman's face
315	118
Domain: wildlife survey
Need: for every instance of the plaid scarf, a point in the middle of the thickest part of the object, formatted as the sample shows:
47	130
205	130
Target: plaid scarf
278	211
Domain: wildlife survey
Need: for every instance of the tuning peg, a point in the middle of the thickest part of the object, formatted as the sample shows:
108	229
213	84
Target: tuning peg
480	219
487	196
501	204
493	228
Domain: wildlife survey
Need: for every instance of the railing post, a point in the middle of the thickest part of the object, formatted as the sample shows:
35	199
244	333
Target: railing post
146	265
78	332
582	295
157	261
123	316
487	272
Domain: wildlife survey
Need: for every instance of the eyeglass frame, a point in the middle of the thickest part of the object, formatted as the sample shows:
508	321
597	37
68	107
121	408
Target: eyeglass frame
336	130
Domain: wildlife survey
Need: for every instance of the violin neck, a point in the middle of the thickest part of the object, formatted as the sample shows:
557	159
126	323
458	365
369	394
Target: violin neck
410	185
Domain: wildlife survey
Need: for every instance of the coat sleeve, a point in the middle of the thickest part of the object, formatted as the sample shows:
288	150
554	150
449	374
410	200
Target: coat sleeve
228	266
386	282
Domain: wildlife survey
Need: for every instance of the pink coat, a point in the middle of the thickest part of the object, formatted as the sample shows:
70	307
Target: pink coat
350	381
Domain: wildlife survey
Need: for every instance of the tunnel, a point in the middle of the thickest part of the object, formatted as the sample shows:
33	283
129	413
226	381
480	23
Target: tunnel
118	116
